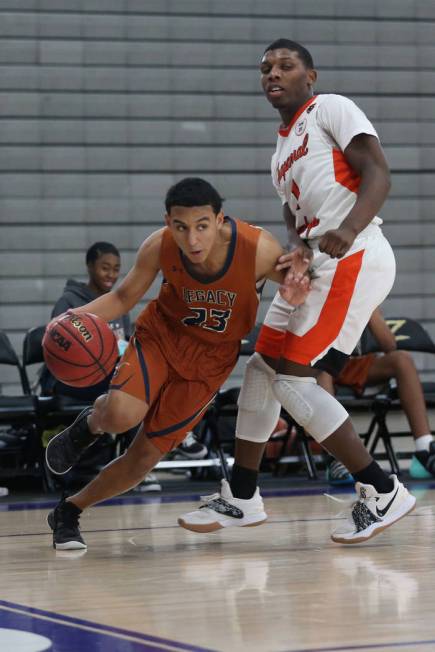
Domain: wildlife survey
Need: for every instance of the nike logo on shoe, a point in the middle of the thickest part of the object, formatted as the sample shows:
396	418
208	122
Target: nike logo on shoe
382	512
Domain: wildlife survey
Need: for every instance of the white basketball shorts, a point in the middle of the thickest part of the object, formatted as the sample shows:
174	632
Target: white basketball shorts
344	294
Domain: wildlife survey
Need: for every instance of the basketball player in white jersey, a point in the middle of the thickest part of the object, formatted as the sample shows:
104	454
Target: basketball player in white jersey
331	175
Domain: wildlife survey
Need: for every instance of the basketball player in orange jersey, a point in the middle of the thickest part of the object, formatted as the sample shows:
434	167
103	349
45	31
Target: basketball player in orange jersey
185	344
331	175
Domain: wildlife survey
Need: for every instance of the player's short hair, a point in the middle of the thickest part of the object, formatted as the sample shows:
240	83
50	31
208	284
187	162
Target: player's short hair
99	249
285	43
193	191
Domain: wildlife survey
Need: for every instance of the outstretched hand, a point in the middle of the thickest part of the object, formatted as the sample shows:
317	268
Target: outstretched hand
295	290
297	261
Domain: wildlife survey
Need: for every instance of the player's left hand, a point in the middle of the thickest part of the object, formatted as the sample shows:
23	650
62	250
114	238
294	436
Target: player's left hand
294	290
337	242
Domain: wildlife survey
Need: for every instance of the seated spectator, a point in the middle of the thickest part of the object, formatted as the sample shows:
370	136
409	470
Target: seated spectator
373	369
103	262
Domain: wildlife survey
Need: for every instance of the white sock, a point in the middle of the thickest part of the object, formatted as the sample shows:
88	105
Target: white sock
422	443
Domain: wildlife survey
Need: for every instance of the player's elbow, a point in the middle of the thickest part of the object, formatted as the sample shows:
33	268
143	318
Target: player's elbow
387	180
124	301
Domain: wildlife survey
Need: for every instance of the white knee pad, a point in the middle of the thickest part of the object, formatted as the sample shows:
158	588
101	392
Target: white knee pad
258	408
310	405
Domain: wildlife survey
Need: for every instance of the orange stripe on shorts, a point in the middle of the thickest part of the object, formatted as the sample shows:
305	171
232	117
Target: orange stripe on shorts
305	348
270	342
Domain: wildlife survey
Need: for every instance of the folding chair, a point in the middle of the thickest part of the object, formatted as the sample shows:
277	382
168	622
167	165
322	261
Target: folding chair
410	336
54	409
58	410
19	411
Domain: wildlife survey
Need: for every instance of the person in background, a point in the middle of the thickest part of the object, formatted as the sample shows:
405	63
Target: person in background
373	369
103	262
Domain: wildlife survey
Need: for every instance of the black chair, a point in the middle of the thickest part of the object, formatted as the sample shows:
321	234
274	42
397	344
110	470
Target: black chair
20	451
410	336
54	409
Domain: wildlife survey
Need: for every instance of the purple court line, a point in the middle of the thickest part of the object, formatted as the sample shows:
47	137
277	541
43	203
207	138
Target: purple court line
61	619
6	506
369	646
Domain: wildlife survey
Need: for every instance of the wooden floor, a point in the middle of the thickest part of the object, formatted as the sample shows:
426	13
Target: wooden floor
145	584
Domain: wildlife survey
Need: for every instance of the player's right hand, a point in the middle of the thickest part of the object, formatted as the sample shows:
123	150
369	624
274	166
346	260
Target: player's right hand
297	261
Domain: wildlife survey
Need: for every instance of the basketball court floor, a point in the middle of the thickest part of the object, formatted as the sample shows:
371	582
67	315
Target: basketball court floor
145	584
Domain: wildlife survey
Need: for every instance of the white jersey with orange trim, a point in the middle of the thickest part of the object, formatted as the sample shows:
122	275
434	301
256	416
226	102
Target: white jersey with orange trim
309	170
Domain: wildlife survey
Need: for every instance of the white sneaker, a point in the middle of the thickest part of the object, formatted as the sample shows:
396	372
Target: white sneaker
149	483
223	510
373	512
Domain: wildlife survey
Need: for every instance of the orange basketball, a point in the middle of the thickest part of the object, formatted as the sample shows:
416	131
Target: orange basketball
79	350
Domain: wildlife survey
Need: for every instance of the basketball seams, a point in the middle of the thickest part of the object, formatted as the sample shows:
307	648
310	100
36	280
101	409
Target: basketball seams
97	328
71	334
77	339
113	350
81	378
96	367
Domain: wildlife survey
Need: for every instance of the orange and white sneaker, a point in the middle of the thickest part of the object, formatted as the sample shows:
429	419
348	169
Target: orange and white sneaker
223	510
373	512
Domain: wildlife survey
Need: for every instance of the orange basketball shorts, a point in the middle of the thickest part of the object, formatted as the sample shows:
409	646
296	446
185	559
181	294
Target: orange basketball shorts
176	404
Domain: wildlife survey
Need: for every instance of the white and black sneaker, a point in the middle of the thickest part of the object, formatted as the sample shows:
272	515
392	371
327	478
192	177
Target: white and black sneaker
223	510
373	512
190	449
64	521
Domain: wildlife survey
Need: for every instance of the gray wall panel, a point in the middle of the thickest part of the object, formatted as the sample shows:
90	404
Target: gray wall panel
184	132
104	104
222	28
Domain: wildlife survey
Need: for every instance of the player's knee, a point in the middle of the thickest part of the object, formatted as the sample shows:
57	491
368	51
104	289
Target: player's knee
118	414
400	360
258	408
309	405
256	384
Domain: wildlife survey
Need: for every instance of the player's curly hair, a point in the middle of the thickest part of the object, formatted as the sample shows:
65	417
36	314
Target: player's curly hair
193	191
286	44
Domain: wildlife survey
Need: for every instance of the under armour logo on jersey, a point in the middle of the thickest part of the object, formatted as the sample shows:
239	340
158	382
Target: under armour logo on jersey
310	108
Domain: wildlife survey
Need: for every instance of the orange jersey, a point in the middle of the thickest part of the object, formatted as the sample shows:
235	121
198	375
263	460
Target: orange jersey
218	313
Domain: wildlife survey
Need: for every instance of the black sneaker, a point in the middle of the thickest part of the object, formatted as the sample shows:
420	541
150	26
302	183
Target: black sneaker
66	448
425	460
64	521
190	449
